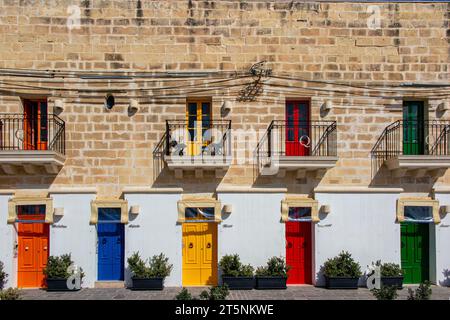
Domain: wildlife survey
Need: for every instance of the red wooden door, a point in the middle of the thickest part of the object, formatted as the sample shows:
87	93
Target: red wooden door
297	128
299	252
33	247
35	125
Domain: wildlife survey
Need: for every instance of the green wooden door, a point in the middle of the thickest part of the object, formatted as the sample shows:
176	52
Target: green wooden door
413	128
414	252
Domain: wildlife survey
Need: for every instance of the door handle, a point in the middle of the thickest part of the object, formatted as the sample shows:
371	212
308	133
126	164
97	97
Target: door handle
191	245
289	245
45	248
208	245
26	248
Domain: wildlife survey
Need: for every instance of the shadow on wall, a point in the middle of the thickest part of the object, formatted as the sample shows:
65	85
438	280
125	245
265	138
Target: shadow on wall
304	185
410	183
446	281
22	180
189	182
127	277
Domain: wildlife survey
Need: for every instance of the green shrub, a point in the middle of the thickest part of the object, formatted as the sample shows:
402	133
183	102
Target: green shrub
3	276
246	271
276	267
158	266
137	266
58	267
10	294
423	292
184	294
232	267
385	293
215	293
389	269
342	265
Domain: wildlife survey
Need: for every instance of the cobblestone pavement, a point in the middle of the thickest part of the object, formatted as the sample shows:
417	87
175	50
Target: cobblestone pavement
292	293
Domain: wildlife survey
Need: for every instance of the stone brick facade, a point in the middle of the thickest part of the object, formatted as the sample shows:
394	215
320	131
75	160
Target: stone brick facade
316	50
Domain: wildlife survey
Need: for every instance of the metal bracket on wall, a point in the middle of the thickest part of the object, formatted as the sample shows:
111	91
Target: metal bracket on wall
324	225
259	74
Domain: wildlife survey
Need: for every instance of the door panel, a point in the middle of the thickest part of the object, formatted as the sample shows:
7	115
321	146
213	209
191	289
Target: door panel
33	249
299	252
198	117
297	128
110	251
414	252
413	128
199	254
209	254
35	126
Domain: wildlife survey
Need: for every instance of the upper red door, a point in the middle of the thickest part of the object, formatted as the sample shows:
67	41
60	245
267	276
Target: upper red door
35	125
33	247
297	128
299	252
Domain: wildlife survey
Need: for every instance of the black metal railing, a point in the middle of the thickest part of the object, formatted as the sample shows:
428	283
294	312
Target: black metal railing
206	138
429	137
301	138
20	132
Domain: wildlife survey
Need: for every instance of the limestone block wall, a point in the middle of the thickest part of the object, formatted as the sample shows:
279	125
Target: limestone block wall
317	50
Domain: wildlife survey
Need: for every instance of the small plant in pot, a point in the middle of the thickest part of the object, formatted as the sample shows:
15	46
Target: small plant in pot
236	275
62	274
151	276
341	272
273	275
391	274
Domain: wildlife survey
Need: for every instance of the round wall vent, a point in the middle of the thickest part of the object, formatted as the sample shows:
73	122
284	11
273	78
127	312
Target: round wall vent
109	101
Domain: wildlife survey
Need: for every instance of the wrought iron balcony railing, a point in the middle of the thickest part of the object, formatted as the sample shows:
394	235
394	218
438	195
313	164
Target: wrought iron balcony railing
207	138
430	137
20	132
302	139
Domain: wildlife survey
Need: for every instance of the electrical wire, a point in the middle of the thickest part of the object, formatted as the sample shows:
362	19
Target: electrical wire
209	82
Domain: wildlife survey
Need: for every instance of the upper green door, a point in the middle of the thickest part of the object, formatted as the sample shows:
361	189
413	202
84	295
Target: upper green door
414	252
413	128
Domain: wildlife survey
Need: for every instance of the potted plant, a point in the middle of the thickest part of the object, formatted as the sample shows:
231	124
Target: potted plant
149	277
58	271
273	275
391	274
342	272
236	275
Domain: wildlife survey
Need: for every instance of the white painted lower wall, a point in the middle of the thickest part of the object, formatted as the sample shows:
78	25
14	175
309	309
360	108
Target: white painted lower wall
7	242
155	230
361	223
253	229
73	234
442	244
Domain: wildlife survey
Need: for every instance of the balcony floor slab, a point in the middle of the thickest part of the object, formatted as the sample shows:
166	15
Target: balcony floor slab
31	161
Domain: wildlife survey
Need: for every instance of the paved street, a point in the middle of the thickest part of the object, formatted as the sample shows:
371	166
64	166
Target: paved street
292	293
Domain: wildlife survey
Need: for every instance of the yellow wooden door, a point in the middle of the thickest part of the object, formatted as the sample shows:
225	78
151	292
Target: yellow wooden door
198	117
199	254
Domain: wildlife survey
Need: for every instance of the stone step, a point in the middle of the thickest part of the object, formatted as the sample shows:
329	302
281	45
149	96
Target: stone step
109	284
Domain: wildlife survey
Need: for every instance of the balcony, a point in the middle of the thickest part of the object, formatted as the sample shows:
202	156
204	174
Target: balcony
413	147
207	147
31	144
297	146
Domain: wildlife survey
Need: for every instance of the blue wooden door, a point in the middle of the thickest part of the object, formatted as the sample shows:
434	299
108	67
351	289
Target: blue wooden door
110	250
